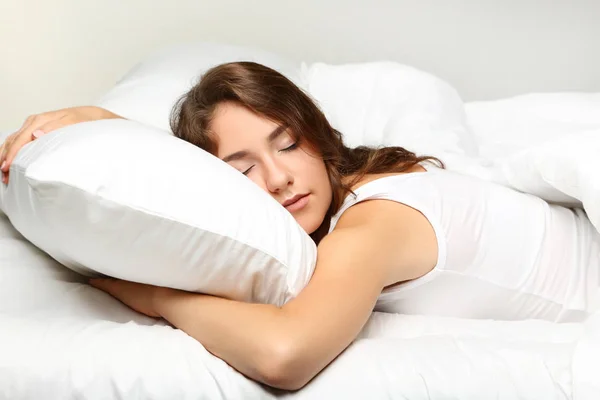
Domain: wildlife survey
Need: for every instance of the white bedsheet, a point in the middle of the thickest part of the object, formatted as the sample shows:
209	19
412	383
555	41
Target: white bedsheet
60	338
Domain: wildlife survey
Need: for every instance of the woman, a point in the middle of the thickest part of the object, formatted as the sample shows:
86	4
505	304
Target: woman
395	232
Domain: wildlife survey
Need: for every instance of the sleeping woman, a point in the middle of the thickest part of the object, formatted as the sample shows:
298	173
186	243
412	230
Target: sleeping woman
396	232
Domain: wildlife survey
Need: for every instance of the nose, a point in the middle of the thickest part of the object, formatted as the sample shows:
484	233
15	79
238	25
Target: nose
278	176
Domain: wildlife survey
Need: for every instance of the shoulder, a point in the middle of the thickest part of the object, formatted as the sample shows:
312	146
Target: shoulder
378	214
398	236
389	220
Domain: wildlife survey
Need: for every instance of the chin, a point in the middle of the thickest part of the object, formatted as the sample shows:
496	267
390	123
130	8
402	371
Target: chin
310	225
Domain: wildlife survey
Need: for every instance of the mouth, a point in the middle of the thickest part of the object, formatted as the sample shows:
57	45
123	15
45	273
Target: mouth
296	203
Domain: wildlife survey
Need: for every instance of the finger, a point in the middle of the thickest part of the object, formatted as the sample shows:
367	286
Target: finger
2	146
26	124
99	283
8	144
29	125
25	136
3	166
5	146
3	176
4	169
102	283
28	121
10	140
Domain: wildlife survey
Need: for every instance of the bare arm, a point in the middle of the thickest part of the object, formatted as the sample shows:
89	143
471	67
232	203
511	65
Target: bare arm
286	347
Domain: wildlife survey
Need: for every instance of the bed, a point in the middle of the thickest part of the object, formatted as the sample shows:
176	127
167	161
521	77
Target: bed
522	71
61	338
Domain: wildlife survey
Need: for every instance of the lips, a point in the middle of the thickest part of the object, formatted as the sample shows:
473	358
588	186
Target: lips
293	200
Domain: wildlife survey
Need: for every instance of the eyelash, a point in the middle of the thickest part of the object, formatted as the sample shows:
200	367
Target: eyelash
248	170
291	147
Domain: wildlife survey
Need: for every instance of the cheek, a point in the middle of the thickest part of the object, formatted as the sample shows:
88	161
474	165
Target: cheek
258	181
310	167
317	176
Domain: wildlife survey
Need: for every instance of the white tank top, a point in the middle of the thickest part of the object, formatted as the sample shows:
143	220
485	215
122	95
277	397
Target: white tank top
502	254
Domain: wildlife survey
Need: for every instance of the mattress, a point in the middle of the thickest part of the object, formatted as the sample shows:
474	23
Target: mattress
62	339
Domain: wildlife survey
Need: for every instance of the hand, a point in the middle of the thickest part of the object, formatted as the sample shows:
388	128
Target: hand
38	125
138	296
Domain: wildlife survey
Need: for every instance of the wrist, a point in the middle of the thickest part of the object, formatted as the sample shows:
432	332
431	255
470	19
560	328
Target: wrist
102	113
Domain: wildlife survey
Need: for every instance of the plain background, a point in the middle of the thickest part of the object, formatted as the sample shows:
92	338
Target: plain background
61	53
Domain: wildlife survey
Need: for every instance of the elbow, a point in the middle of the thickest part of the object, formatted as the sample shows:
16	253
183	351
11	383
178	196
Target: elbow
285	368
284	378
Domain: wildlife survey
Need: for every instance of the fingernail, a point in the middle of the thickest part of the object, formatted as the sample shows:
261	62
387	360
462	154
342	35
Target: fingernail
37	133
3	165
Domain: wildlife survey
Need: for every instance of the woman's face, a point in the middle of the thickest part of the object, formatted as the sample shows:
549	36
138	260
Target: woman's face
267	154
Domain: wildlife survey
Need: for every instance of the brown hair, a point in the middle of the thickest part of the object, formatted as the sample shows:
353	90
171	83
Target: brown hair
268	93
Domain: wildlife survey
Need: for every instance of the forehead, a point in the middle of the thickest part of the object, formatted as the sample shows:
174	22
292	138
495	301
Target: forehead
235	124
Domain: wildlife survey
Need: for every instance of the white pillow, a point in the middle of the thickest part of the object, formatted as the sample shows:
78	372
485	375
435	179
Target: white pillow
371	103
564	170
122	199
148	91
387	103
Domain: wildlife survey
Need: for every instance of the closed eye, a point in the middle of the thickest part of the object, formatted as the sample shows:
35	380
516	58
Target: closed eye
290	147
248	170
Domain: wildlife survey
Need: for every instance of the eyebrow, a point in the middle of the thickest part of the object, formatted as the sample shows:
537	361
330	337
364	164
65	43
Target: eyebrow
271	138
